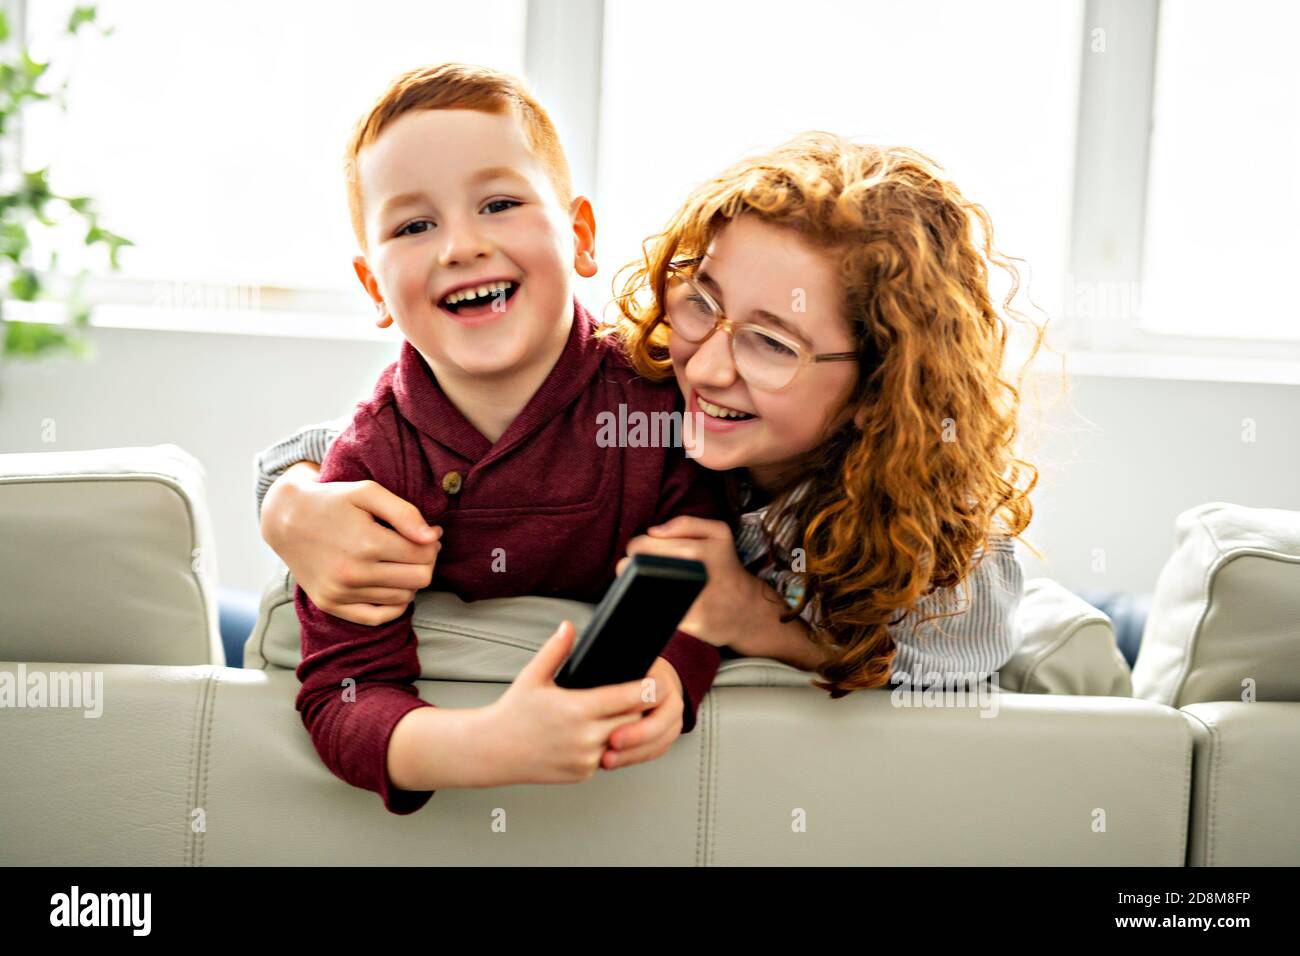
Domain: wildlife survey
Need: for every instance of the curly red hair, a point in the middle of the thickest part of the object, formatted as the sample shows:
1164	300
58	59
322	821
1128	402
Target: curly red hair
899	507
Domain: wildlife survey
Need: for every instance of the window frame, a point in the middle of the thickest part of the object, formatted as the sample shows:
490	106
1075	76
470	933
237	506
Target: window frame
564	45
1108	231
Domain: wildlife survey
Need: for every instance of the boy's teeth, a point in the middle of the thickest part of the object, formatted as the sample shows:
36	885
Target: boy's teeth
717	411
477	292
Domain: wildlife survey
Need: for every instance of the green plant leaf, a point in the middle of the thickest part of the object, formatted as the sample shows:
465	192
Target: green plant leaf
80	17
35	192
32	69
32	339
24	205
13	240
25	286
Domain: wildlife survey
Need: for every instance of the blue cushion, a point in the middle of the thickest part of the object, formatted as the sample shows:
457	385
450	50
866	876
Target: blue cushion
238	614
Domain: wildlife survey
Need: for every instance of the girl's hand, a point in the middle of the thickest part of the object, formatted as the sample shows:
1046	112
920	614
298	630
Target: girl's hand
543	733
730	608
650	737
347	563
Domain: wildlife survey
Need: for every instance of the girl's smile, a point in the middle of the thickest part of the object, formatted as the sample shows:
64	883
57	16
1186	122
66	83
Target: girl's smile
718	418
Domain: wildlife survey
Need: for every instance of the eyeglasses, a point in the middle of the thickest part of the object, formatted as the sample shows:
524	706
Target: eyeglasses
765	359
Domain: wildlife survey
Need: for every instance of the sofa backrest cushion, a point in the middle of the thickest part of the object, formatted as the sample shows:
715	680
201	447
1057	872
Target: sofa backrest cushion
107	558
1068	646
1225	619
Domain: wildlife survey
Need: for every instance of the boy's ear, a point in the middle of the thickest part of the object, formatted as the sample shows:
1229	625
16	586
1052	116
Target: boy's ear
371	285
584	235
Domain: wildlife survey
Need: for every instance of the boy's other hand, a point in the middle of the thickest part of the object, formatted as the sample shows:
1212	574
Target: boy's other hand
348	564
650	737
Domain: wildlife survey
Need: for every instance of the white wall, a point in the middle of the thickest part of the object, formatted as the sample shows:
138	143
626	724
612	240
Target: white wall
1153	447
220	397
1127	455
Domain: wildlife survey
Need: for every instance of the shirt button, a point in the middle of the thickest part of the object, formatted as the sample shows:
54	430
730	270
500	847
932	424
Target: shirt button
451	482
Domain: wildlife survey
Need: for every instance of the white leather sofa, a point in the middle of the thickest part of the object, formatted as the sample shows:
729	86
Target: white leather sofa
107	575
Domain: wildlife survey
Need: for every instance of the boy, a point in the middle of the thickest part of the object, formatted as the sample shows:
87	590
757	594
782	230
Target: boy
460	198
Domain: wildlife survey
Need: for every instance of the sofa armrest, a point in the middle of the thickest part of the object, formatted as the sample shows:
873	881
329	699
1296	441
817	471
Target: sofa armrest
108	558
1246	768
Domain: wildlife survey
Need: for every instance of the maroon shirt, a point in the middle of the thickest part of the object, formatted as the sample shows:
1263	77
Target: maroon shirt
545	498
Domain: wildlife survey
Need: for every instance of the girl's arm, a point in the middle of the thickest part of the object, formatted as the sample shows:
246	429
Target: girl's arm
307	444
789	642
977	641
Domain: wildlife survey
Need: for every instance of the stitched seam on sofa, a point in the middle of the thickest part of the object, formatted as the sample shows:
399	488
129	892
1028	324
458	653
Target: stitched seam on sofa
709	784
187	851
1041	657
1207	584
1188	789
762	665
716	761
701	783
207	612
1209	790
1212	800
715	756
196	757
264	624
699	789
461	630
207	761
89	476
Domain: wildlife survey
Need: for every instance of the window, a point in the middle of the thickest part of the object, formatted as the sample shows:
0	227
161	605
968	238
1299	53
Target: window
213	134
987	89
1223	198
1136	155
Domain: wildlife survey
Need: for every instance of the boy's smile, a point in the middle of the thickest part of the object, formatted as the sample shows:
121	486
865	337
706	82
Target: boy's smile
470	251
467	301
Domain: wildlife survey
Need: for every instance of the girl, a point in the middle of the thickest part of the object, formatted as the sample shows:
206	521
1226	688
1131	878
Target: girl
826	307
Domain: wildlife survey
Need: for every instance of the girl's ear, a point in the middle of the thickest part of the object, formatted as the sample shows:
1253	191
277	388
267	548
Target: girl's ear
371	285
584	235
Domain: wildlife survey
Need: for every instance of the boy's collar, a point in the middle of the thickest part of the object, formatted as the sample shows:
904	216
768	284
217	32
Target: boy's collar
422	401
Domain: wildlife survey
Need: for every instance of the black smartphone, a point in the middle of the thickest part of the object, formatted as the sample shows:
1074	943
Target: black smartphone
633	622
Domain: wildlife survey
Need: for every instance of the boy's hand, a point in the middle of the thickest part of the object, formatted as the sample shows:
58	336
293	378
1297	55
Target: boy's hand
348	564
543	733
650	737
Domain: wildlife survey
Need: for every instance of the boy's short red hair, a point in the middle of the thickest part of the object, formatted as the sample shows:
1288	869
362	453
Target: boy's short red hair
457	86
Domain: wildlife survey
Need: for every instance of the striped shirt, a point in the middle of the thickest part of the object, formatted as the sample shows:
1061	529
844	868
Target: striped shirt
308	443
978	640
